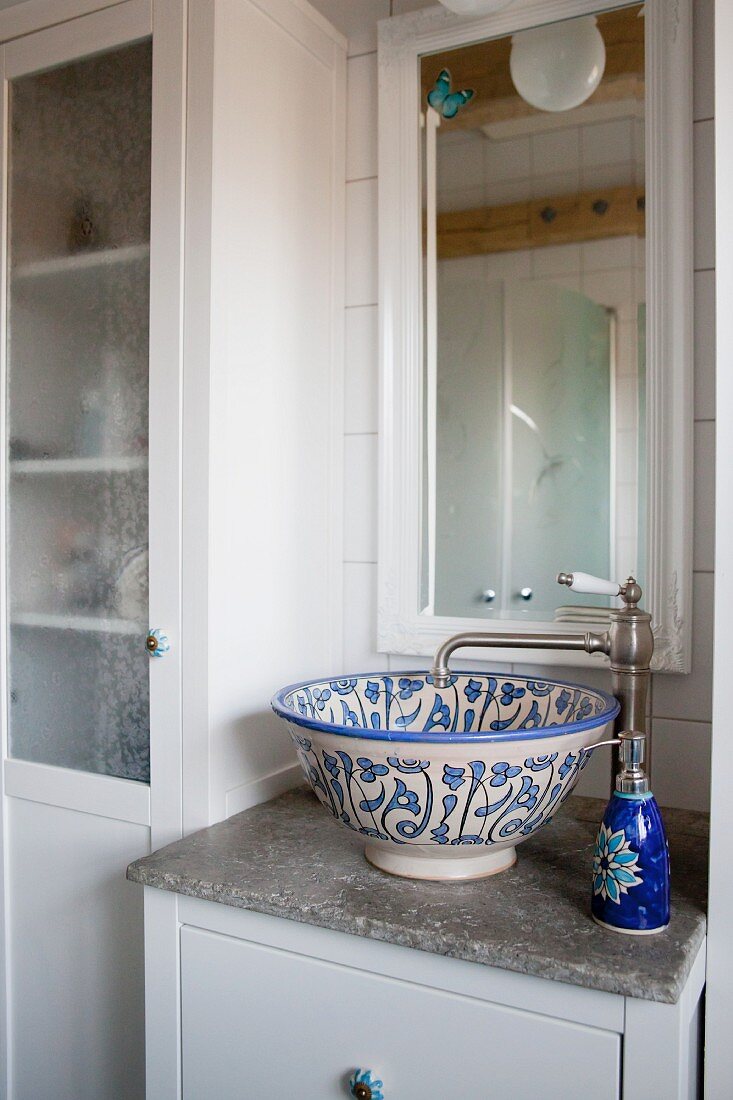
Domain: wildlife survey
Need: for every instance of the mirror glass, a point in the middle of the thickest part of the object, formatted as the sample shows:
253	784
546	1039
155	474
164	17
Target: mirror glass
533	193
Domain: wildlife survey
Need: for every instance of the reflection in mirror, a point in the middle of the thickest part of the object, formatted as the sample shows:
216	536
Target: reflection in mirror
533	336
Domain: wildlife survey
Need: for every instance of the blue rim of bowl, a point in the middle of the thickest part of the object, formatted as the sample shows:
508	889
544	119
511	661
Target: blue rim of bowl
278	705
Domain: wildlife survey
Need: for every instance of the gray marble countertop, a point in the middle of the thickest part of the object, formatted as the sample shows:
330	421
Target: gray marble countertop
288	858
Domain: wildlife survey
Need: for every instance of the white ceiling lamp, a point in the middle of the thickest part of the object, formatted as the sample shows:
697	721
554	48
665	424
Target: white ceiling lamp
475	7
558	66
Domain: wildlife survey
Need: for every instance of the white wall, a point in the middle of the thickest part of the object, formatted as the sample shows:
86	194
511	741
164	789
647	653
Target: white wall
681	704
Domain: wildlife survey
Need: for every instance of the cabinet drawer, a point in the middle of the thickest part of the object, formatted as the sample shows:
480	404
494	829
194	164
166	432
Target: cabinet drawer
266	1024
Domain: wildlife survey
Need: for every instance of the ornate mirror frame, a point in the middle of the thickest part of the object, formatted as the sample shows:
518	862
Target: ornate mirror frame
402	628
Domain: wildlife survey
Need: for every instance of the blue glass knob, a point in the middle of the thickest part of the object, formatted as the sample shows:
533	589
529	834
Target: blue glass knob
157	643
364	1086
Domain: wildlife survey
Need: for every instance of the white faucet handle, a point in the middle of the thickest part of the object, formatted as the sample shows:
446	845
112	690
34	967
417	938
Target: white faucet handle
585	583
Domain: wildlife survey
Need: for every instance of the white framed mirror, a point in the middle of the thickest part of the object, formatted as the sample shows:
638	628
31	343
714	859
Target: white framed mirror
535	211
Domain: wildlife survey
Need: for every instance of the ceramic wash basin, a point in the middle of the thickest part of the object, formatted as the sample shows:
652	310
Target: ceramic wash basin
443	783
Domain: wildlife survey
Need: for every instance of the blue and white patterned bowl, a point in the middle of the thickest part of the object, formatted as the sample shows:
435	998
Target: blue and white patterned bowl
443	783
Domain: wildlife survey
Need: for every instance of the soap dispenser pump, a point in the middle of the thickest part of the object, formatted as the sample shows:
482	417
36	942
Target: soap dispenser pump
630	891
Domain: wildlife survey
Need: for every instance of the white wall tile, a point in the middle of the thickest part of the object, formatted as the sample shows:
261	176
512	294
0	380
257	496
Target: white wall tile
360	620
399	662
462	269
595	779
704	184
556	151
704	344
704	524
690	697
406	663
454	137
361	243
401	7
640	290
460	165
559	259
510	265
626	404
626	461
681	764
704	58
555	183
463	198
506	160
599	677
360	493
570	282
357	19
362	370
503	192
606	143
640	254
606	255
612	288
638	131
626	523
608	175
626	350
361	118
627	562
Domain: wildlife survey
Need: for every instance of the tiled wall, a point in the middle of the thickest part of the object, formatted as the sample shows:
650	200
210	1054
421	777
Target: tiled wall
474	170
681	704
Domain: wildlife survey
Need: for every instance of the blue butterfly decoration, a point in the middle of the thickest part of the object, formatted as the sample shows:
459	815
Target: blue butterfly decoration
446	102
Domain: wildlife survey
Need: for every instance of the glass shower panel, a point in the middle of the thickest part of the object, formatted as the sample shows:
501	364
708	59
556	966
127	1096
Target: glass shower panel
558	415
77	413
469	433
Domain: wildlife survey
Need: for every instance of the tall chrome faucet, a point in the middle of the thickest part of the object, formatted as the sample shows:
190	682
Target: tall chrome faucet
628	642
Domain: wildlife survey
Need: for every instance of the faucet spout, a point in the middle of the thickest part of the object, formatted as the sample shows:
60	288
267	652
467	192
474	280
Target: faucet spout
628	642
588	642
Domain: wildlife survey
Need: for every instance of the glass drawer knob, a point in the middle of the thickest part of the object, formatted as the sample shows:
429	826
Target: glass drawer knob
157	643
364	1086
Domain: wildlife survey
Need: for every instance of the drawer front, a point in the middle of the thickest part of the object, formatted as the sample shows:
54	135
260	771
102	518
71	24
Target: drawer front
265	1024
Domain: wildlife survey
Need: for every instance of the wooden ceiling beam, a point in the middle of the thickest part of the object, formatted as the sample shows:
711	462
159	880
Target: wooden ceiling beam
560	219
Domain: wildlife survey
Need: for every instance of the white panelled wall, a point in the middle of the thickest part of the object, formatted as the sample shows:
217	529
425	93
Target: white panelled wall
681	705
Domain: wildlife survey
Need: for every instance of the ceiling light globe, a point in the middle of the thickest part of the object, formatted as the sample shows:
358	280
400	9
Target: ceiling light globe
558	66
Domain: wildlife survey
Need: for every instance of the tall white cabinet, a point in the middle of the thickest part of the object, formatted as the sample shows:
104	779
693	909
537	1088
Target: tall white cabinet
172	242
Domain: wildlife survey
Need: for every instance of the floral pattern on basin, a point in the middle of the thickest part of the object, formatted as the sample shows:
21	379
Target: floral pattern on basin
400	801
409	707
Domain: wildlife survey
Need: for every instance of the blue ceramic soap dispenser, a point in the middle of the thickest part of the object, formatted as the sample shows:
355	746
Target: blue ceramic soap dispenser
630	890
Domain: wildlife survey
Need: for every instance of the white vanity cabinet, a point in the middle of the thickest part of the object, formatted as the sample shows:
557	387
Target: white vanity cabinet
255	1005
172	242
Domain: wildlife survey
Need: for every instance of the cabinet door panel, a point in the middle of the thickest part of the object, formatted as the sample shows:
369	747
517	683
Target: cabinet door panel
262	1022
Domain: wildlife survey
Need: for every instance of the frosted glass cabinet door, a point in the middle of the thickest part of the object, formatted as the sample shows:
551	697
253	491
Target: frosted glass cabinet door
77	413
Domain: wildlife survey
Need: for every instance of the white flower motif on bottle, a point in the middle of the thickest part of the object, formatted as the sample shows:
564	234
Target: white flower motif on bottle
614	865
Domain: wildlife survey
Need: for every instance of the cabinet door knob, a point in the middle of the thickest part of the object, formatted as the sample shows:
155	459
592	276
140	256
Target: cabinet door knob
488	595
364	1086
157	643
525	593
